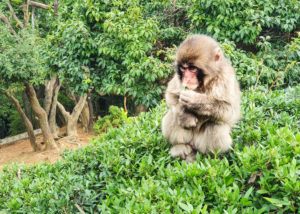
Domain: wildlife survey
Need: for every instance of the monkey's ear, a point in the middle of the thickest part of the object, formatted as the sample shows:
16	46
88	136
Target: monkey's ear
218	54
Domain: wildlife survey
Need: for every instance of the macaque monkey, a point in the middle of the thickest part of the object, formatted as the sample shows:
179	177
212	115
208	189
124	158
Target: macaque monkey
203	100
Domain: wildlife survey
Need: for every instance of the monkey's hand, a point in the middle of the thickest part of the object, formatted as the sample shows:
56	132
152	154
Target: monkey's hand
192	99
187	121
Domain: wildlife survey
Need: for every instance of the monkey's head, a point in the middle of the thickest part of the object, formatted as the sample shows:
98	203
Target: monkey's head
198	57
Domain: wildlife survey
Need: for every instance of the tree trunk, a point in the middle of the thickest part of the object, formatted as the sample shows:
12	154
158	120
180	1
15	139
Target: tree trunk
91	111
72	119
52	116
27	122
49	89
28	111
72	127
85	117
140	108
42	116
27	106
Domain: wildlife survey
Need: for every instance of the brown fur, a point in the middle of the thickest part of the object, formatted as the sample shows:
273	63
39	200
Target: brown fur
201	120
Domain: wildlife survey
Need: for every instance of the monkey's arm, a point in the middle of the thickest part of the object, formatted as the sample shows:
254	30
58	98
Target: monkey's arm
205	105
183	118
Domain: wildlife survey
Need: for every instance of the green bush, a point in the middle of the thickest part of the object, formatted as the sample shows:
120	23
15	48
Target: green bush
116	117
16	124
129	170
251	70
292	62
244	21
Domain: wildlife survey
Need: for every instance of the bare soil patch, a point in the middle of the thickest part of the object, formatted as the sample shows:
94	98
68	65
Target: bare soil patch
22	152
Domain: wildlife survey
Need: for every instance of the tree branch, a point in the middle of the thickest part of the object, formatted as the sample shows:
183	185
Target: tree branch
25	9
55	7
19	23
49	86
6	21
79	106
25	119
52	115
63	111
39	5
33	18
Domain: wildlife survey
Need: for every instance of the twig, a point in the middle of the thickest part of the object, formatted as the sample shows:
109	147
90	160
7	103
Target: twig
19	174
125	103
79	209
25	8
6	21
55	7
32	17
14	14
38	4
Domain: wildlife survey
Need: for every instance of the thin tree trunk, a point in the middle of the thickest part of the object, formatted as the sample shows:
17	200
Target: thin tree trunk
33	17
52	116
25	8
27	122
26	106
49	89
42	116
85	117
72	127
91	111
125	104
72	119
4	19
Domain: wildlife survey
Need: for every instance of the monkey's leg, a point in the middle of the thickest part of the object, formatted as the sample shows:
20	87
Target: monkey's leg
215	137
174	133
184	151
178	137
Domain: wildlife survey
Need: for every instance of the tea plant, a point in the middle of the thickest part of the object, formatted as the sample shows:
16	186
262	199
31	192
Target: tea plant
129	170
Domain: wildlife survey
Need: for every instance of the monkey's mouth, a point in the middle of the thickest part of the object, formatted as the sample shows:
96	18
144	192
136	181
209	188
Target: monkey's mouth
190	79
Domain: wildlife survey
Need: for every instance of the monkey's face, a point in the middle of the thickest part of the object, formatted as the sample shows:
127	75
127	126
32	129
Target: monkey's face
198	58
190	75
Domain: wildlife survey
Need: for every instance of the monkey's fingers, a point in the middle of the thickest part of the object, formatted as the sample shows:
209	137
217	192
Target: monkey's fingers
185	97
183	102
187	101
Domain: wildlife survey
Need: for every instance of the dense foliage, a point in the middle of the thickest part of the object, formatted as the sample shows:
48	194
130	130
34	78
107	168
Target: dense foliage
244	21
21	59
129	169
115	118
125	48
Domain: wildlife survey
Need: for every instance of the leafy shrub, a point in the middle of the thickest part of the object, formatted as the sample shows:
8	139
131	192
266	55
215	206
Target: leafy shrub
292	67
21	58
244	21
129	170
116	117
16	125
250	70
284	59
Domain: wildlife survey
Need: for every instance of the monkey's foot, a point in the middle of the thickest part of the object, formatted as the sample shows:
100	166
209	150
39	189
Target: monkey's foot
191	157
181	150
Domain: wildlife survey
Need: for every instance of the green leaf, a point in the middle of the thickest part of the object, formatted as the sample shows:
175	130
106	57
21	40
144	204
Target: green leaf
278	202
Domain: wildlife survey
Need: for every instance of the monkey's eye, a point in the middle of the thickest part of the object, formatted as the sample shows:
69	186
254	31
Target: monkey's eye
191	68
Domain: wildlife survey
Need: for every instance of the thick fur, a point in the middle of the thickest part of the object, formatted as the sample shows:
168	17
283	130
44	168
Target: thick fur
201	120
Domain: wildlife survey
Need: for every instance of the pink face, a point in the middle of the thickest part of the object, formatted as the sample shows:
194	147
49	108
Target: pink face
189	76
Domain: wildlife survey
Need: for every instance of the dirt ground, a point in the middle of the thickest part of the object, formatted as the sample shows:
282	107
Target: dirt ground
22	152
